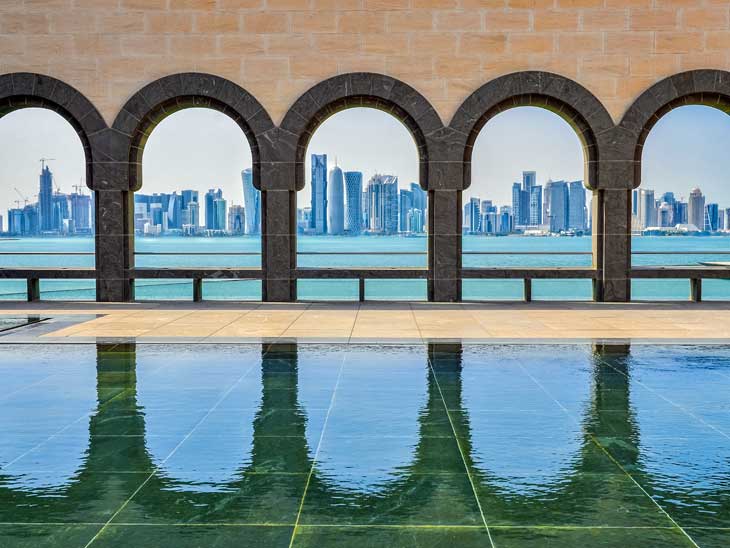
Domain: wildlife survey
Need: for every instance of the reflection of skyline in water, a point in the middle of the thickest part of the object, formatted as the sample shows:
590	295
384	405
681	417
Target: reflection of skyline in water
231	432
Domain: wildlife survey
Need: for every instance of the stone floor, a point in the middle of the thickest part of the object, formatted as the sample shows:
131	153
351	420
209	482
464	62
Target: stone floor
382	321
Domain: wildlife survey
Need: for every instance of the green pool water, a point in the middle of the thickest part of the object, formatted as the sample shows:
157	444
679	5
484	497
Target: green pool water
351	445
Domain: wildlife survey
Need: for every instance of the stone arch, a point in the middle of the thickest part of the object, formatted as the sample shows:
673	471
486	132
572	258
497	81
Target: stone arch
157	100
706	87
25	90
558	94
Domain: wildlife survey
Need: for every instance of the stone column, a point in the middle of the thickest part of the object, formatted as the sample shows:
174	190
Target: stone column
114	239
597	243
444	245
279	246
616	262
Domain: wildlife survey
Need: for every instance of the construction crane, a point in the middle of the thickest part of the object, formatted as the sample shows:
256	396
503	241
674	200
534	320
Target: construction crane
43	162
24	198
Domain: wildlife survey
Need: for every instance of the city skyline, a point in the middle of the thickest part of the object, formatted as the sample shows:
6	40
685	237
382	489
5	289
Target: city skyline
201	148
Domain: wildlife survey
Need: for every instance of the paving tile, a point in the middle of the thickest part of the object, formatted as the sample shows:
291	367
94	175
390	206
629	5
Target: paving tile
376	537
193	536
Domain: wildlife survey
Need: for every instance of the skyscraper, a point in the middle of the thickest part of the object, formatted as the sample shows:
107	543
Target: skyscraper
577	214
45	200
529	179
406	204
712	217
696	209
252	203
353	193
535	205
336	202
236	220
419	197
559	206
319	194
81	212
517	203
210	212
382	195
647	208
220	206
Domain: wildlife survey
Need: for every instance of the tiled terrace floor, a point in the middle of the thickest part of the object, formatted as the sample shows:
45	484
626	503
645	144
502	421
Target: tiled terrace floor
382	322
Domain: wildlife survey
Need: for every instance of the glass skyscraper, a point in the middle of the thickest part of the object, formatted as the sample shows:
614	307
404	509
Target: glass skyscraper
45	200
577	206
382	195
318	222
336	202
353	193
251	202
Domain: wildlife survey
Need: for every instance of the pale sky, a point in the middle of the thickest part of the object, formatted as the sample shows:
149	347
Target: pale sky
202	149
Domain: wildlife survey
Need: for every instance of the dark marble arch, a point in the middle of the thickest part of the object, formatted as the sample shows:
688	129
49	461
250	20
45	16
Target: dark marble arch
386	94
140	115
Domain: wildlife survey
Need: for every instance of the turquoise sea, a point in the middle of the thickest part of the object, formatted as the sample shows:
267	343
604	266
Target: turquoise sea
397	251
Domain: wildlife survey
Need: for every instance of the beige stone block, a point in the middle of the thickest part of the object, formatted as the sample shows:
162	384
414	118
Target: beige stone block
567	65
705	18
11	44
312	65
205	5
144	4
531	4
241	44
478	43
607	65
361	63
483	4
653	65
434	43
653	19
502	21
287	5
192	45
385	5
458	21
531	43
629	42
361	22
580	42
45	4
717	40
121	23
385	44
435	4
29	23
144	45
678	42
49	45
629	3
572	4
258	68
556	20
217	23
406	21
604	20
337	43
168	23
265	23
240	4
338	4
693	61
316	21
410	66
278	44
74	21
457	67
228	67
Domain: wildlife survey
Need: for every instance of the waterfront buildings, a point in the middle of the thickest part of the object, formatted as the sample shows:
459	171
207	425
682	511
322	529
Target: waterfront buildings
382	199
696	209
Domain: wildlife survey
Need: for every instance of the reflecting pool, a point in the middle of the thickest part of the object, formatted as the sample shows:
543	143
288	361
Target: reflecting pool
352	445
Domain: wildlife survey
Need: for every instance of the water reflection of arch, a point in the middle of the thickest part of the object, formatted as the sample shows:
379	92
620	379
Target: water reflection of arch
608	419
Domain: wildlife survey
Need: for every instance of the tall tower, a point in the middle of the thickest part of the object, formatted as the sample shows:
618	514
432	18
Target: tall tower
696	209
45	199
252	203
577	206
319	194
336	202
210	212
353	192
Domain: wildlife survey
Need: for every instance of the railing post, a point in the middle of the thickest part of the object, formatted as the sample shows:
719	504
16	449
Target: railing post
528	289
361	288
695	290
197	290
34	289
